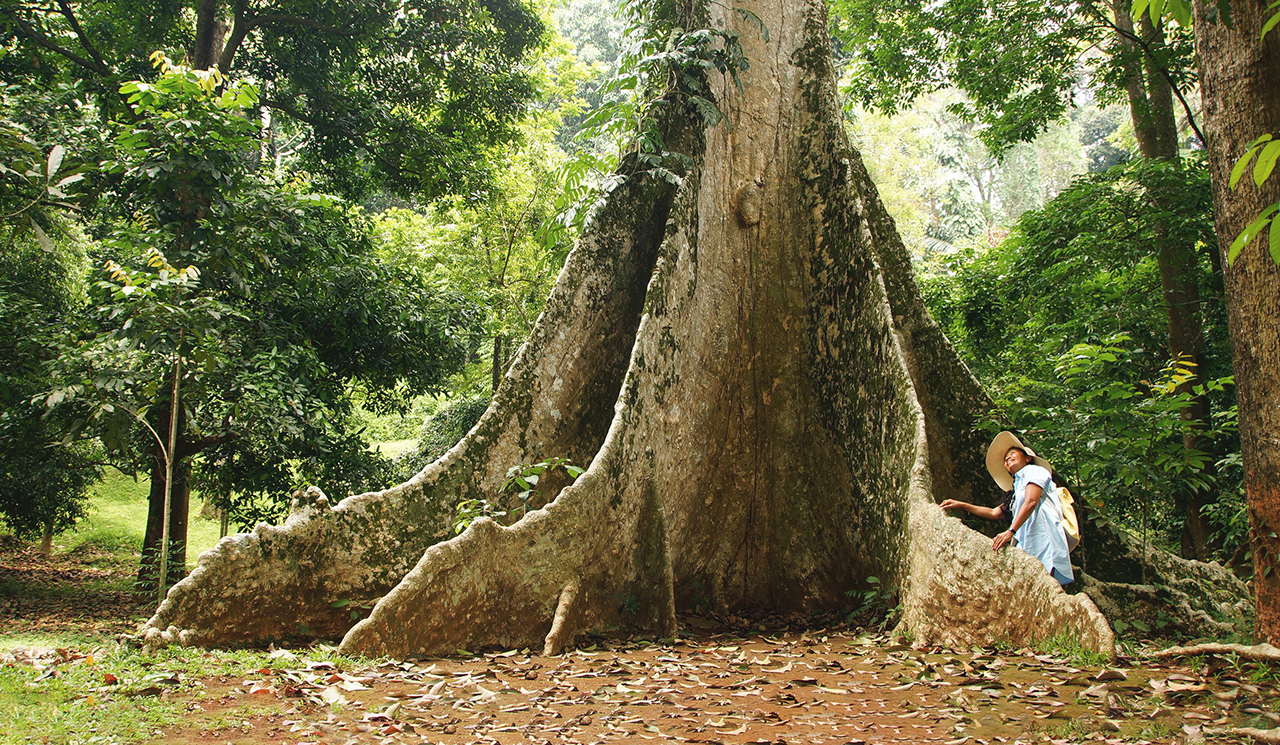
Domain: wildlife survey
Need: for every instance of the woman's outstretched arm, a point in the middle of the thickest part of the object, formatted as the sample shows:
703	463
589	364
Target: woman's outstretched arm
990	513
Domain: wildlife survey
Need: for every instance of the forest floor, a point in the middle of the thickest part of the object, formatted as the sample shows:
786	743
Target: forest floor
64	679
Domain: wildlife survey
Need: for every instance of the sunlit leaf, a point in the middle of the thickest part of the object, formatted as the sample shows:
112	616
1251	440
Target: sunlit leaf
1274	241
55	160
1242	163
1266	162
1270	24
41	238
1249	232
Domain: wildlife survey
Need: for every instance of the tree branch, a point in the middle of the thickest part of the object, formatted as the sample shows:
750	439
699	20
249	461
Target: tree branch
38	37
243	24
300	21
1164	72
1253	733
191	447
1257	652
84	40
314	122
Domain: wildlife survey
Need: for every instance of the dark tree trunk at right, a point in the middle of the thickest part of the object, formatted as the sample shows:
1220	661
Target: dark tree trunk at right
1240	85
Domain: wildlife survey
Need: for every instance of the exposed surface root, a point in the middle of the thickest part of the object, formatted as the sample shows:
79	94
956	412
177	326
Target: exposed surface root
1257	735
1255	653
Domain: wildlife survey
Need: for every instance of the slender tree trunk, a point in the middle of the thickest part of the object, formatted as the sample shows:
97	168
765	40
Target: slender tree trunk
1151	108
1240	86
497	361
1150	97
180	502
46	539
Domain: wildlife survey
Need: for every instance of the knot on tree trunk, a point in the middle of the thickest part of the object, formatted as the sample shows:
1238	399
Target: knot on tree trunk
749	200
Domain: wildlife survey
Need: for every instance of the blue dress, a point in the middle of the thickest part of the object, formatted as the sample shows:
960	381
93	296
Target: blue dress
1042	535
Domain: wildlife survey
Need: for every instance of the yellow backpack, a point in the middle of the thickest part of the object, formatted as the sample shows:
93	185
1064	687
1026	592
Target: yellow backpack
1070	525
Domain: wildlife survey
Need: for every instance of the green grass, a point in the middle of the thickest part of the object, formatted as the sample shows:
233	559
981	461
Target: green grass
117	521
1068	646
58	708
76	704
395	448
58	640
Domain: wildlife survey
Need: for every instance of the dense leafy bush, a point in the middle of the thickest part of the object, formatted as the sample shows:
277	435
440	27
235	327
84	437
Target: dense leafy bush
1064	322
442	431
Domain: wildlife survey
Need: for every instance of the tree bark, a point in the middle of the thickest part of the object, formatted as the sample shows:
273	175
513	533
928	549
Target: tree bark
1239	75
46	539
211	30
179	509
496	368
767	411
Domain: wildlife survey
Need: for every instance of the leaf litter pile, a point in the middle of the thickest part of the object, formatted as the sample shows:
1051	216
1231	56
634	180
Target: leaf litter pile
88	591
799	686
714	683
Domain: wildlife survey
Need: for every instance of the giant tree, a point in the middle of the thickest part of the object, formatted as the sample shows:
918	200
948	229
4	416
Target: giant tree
737	352
1239	68
1018	65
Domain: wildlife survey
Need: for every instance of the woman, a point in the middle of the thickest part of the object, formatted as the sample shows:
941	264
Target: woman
1032	506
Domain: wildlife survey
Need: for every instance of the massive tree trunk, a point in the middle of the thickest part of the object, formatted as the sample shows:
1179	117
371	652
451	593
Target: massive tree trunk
1239	75
768	414
1155	127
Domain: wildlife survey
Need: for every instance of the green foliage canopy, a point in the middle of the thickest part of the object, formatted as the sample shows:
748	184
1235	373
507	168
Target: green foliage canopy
270	296
397	94
1064	323
1079	270
1018	62
41	484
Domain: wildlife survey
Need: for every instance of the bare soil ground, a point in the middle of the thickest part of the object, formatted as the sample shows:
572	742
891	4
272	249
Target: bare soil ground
715	683
807	687
85	592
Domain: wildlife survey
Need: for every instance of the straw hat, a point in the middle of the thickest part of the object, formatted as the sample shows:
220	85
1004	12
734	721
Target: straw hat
995	458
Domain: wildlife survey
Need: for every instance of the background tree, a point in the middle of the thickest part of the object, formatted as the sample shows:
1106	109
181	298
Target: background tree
292	307
1018	67
42	287
502	247
943	186
1079	268
1078	271
402	95
42	484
